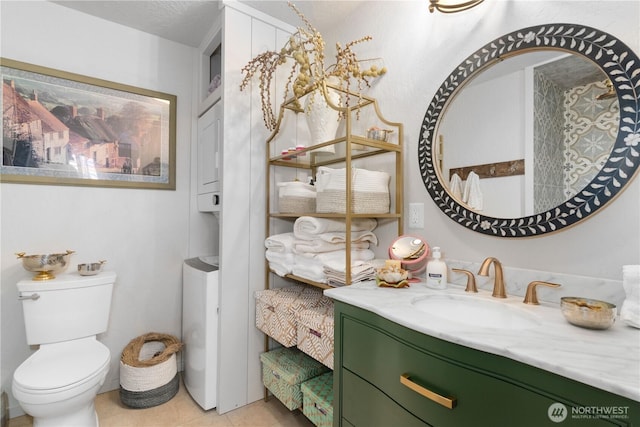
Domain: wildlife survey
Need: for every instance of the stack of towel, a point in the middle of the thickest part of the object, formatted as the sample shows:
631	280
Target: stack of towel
316	250
630	310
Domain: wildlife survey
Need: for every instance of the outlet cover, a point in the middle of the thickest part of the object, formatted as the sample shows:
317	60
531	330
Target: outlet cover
416	215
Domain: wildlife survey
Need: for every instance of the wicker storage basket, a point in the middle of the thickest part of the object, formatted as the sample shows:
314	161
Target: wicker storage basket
370	191
149	370
296	197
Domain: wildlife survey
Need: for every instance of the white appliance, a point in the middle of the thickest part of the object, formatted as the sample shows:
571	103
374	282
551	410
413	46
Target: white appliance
200	329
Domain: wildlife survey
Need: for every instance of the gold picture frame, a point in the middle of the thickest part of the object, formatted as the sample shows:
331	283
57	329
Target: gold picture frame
61	128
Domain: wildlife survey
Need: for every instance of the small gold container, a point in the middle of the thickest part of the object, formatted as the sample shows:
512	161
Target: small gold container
588	313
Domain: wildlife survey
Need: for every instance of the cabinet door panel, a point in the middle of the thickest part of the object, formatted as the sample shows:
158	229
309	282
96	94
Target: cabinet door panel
366	406
482	398
209	139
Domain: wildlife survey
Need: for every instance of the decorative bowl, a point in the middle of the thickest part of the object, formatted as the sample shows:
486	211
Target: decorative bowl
90	269
379	134
588	313
46	266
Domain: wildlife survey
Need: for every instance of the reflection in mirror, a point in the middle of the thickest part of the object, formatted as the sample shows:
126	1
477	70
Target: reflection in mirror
538	123
597	131
412	251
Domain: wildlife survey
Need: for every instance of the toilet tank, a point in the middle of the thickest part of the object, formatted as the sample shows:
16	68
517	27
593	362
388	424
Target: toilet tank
68	307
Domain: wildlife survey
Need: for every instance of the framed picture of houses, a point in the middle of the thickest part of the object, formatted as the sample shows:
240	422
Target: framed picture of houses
61	128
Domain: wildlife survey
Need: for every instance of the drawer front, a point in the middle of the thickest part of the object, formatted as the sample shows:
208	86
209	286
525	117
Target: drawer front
366	406
476	397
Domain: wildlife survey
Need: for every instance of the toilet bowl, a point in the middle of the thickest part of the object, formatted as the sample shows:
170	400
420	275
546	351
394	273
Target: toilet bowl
57	385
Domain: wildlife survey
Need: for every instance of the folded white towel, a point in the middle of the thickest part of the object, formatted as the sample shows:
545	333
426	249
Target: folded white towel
280	242
309	268
336	260
319	246
630	313
341	237
455	186
472	193
279	257
296	189
307	227
280	269
280	262
630	310
360	271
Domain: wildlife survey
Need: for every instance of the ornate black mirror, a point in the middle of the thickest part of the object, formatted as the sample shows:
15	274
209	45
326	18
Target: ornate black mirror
605	76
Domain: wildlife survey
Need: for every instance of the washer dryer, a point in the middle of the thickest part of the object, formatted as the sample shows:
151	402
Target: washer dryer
200	329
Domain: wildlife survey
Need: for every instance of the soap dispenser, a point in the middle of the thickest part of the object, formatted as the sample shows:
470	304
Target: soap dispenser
436	271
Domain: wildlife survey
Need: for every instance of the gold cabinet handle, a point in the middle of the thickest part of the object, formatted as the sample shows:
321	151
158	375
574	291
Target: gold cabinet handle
447	402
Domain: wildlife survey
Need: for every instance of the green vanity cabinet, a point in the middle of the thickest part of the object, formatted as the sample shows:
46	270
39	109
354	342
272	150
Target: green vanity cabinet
466	387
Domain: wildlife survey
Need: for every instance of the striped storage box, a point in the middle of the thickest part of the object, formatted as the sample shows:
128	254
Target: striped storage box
284	370
276	310
317	400
315	331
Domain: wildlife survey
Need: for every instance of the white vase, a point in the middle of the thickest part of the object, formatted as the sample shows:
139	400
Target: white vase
323	121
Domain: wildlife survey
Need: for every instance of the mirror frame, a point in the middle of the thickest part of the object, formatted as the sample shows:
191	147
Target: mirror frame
617	61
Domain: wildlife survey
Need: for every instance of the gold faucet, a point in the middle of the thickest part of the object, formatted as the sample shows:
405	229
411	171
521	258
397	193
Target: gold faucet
471	280
531	296
498	283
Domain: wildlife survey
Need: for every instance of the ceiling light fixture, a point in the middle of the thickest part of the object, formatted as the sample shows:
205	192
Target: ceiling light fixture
452	7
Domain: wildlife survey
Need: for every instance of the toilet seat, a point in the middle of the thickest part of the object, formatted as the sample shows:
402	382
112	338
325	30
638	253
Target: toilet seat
57	368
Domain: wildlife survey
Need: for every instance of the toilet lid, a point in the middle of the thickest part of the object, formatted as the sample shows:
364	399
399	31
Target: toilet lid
62	364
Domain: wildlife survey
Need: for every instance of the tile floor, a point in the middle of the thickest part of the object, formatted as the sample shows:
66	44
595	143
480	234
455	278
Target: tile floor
182	411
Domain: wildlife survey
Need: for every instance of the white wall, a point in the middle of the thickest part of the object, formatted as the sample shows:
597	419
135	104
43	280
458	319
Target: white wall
143	234
420	50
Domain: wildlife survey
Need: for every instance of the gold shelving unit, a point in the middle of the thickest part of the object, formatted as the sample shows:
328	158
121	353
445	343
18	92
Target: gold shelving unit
356	148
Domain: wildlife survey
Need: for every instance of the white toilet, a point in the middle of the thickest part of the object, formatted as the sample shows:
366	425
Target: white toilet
57	385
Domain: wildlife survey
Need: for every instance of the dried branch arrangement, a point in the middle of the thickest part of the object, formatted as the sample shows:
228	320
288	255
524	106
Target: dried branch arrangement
304	55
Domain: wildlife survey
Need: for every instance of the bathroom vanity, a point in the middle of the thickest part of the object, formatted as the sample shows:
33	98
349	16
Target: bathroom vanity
398	364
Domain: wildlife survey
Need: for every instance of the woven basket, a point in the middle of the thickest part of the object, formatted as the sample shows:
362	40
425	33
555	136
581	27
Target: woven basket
299	205
150	398
148	370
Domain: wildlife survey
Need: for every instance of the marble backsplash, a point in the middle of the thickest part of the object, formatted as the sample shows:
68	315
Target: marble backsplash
517	279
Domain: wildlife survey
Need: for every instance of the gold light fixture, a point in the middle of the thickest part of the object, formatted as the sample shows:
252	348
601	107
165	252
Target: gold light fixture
446	7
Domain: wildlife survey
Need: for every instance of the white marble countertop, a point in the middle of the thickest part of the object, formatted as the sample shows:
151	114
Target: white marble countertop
606	359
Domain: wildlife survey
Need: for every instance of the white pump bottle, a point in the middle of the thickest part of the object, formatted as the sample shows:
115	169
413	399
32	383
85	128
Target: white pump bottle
436	271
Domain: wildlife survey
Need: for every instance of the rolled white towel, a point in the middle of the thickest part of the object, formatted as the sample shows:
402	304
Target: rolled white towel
280	242
307	227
